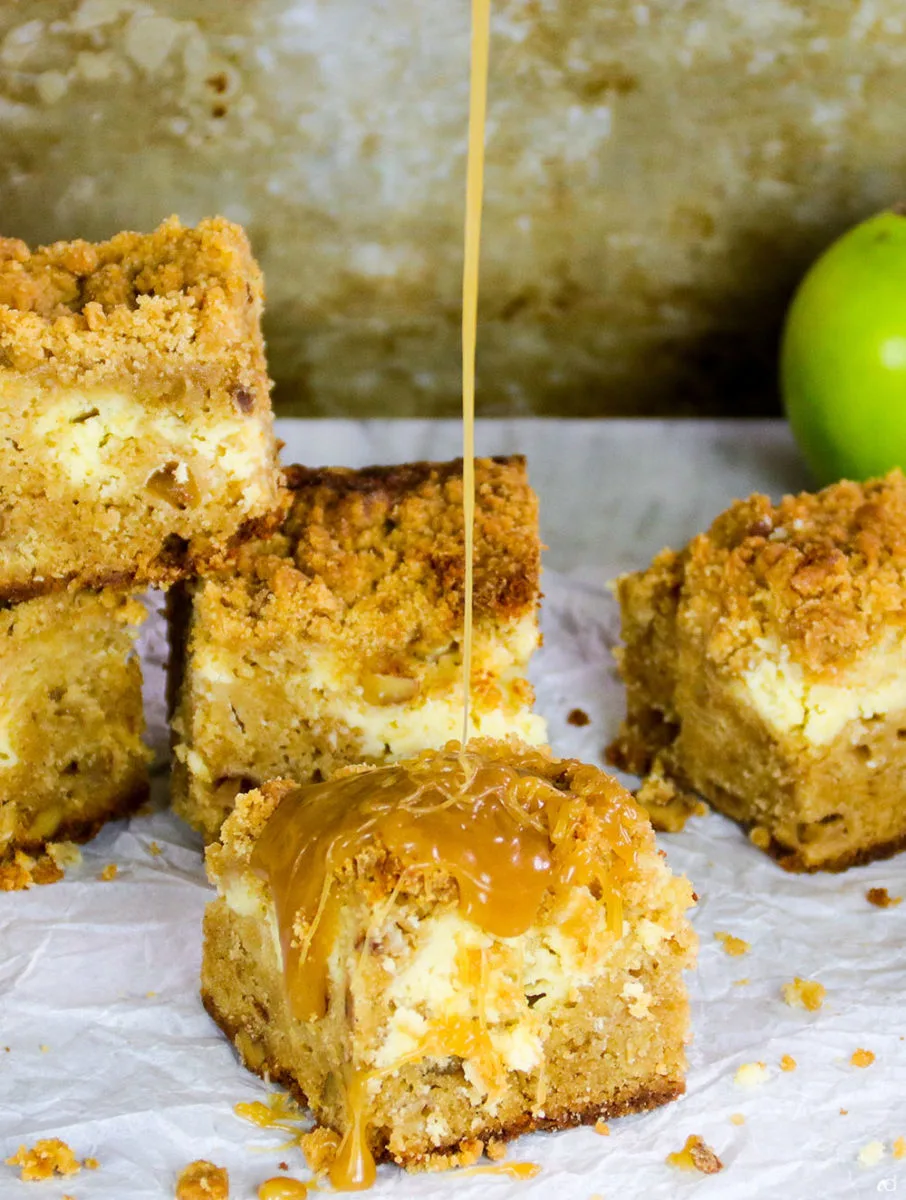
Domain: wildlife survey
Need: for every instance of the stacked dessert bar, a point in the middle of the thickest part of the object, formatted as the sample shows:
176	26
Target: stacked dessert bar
137	446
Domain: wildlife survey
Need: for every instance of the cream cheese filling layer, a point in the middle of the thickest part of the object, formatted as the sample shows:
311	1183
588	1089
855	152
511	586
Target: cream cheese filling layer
87	434
429	717
790	702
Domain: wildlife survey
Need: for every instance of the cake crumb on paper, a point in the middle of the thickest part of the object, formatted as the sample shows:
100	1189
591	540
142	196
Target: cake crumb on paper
751	1074
65	854
881	898
899	1147
696	1155
109	872
24	872
202	1180
804	993
48	1157
871	1154
862	1058
603	1128
154	850
737	1119
668	807
741	982
733	946
320	1148
578	717
788	1063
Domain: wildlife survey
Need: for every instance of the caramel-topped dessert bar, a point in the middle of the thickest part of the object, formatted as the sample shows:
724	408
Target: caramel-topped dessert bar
450	951
340	640
135	408
765	668
71	723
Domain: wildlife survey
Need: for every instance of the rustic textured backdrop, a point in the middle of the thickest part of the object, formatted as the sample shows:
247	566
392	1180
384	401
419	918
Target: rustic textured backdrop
659	175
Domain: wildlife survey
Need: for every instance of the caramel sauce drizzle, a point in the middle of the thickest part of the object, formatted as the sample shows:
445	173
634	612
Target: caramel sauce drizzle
478	103
284	1188
486	824
511	1170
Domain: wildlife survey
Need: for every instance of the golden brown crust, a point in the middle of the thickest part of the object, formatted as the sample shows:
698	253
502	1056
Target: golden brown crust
127	308
353	528
653	1095
373	559
823	574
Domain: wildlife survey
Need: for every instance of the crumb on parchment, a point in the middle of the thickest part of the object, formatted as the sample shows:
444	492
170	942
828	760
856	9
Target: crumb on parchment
24	872
48	1157
871	1154
578	717
804	993
319	1147
751	1074
788	1063
881	898
899	1147
733	946
696	1155
737	1119
862	1058
603	1128
202	1180
109	872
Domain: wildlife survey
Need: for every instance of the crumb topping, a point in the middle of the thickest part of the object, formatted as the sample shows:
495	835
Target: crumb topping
371	563
822	573
804	993
202	1180
86	312
696	1155
48	1157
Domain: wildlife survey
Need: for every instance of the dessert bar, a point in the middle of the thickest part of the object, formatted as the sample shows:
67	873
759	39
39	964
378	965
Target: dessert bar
339	640
449	951
135	408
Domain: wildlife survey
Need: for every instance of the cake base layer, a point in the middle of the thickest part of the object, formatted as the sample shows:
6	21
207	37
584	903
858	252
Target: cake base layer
242	990
71	717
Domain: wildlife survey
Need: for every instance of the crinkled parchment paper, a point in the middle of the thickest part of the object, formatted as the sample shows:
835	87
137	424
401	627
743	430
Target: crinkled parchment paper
103	1041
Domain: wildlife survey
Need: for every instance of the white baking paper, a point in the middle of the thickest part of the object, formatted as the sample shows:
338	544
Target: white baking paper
110	1049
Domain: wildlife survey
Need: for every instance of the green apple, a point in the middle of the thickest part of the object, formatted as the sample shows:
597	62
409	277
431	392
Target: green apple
843	355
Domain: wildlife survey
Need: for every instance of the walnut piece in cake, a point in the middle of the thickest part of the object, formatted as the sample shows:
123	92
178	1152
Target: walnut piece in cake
765	668
339	640
71	723
135	407
696	1155
493	928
